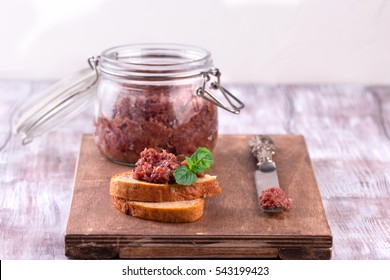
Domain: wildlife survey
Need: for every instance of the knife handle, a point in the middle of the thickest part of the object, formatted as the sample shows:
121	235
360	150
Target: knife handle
263	149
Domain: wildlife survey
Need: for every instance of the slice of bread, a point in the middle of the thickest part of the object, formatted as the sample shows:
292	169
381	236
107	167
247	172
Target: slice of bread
169	212
123	185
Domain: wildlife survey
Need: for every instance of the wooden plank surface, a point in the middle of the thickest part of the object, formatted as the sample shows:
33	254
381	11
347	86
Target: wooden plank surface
233	224
346	128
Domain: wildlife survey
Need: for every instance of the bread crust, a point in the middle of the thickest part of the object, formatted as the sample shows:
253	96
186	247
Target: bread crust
168	212
124	186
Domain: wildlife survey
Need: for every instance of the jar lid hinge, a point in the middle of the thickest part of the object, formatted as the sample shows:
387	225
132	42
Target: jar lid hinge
216	85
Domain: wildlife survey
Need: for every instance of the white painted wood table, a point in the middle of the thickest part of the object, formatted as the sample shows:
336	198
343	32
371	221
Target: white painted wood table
347	130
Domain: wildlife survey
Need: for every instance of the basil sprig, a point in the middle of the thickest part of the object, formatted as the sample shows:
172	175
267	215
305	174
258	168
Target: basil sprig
200	161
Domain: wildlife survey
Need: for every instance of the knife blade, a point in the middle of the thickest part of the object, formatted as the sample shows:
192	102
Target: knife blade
266	178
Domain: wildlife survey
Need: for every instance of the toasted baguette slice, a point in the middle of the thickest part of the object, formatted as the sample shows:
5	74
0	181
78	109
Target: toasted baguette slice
169	212
123	185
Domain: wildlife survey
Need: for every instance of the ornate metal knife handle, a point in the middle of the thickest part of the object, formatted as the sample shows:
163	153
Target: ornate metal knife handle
263	149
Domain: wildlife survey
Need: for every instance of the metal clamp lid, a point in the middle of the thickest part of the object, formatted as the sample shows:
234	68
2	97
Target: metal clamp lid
216	85
70	96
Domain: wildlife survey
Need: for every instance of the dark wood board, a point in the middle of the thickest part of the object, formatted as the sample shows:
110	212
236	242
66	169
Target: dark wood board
233	225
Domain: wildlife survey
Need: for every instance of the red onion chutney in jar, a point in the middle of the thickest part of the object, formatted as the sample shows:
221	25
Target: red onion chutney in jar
148	97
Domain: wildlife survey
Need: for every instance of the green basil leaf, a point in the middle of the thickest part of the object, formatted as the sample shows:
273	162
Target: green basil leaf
192	166
189	163
184	176
201	160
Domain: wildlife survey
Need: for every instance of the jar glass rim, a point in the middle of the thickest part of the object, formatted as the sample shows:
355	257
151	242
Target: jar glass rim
155	60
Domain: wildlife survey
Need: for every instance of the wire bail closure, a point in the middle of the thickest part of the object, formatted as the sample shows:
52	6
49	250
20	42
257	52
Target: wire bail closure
93	63
235	104
216	85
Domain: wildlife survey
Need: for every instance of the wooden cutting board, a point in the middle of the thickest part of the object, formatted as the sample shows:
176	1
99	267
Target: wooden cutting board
233	225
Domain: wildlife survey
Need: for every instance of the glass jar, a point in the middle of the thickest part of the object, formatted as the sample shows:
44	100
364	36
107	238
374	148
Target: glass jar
146	95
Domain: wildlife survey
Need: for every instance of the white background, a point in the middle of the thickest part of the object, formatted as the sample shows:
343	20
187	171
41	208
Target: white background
271	41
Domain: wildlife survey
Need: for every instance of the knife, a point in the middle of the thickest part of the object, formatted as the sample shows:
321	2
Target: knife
266	178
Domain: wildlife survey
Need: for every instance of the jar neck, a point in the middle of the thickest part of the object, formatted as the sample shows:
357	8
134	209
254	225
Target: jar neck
155	61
